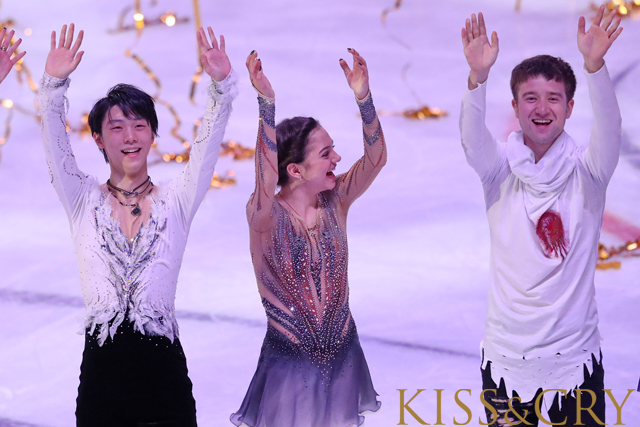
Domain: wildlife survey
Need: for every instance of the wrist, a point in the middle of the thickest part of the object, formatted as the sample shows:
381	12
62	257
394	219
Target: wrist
477	77
55	74
361	94
271	96
52	81
593	66
219	77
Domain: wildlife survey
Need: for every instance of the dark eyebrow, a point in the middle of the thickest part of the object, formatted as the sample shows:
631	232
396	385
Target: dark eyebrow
531	92
327	147
135	119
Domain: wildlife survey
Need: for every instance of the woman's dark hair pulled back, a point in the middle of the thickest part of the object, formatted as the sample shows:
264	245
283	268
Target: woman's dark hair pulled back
292	137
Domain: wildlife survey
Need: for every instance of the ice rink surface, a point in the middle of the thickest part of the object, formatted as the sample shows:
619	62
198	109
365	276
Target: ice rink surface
419	240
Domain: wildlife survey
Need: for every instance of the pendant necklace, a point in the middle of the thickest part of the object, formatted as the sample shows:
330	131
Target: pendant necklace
136	211
133	192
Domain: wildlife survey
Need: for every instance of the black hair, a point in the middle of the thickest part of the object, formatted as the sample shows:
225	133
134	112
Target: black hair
292	137
134	104
549	67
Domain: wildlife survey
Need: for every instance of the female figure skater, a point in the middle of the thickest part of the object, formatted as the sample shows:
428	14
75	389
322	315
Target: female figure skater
311	370
129	237
6	50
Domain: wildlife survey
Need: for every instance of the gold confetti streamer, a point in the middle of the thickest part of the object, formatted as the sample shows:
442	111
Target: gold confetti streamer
422	112
625	8
609	265
627	250
388	10
236	151
140	21
223	181
195	79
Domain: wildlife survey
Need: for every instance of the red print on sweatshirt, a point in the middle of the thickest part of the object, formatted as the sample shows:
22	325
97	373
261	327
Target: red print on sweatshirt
550	231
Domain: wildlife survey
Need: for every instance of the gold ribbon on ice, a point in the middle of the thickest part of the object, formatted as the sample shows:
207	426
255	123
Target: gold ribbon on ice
422	112
140	21
625	8
385	12
195	79
626	250
223	181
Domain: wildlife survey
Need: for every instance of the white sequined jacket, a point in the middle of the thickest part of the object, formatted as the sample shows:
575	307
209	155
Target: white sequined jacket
136	276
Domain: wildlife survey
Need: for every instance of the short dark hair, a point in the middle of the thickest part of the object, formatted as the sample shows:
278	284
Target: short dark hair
134	104
547	66
292	137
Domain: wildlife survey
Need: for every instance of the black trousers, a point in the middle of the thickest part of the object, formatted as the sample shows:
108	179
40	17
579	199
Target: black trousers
563	408
134	380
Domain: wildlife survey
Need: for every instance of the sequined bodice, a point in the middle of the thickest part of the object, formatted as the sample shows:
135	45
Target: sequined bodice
304	271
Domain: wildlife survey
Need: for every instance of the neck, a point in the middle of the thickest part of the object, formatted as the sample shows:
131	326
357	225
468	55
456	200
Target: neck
128	181
539	149
299	198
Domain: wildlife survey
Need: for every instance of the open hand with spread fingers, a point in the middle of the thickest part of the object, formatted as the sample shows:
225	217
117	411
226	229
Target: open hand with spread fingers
64	58
594	43
480	54
213	56
6	50
358	77
258	79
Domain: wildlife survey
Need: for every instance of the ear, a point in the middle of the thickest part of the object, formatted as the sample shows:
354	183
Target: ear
295	171
514	104
98	139
569	108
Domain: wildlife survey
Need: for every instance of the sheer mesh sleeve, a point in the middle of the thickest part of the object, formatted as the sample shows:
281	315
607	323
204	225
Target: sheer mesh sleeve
351	185
266	159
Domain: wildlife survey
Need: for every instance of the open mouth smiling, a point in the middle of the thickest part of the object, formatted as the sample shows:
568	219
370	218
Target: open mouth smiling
131	151
541	122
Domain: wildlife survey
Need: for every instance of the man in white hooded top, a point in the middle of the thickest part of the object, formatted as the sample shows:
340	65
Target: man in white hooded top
545	196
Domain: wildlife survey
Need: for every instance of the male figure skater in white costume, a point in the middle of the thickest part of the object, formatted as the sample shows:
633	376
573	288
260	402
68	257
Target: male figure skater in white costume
129	237
544	197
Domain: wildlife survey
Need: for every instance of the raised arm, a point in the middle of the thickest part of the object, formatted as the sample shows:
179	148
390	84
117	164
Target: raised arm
351	185
190	187
479	146
479	53
604	149
66	178
6	50
266	158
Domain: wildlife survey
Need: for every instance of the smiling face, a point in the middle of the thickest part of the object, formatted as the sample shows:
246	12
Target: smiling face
127	142
542	110
319	163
